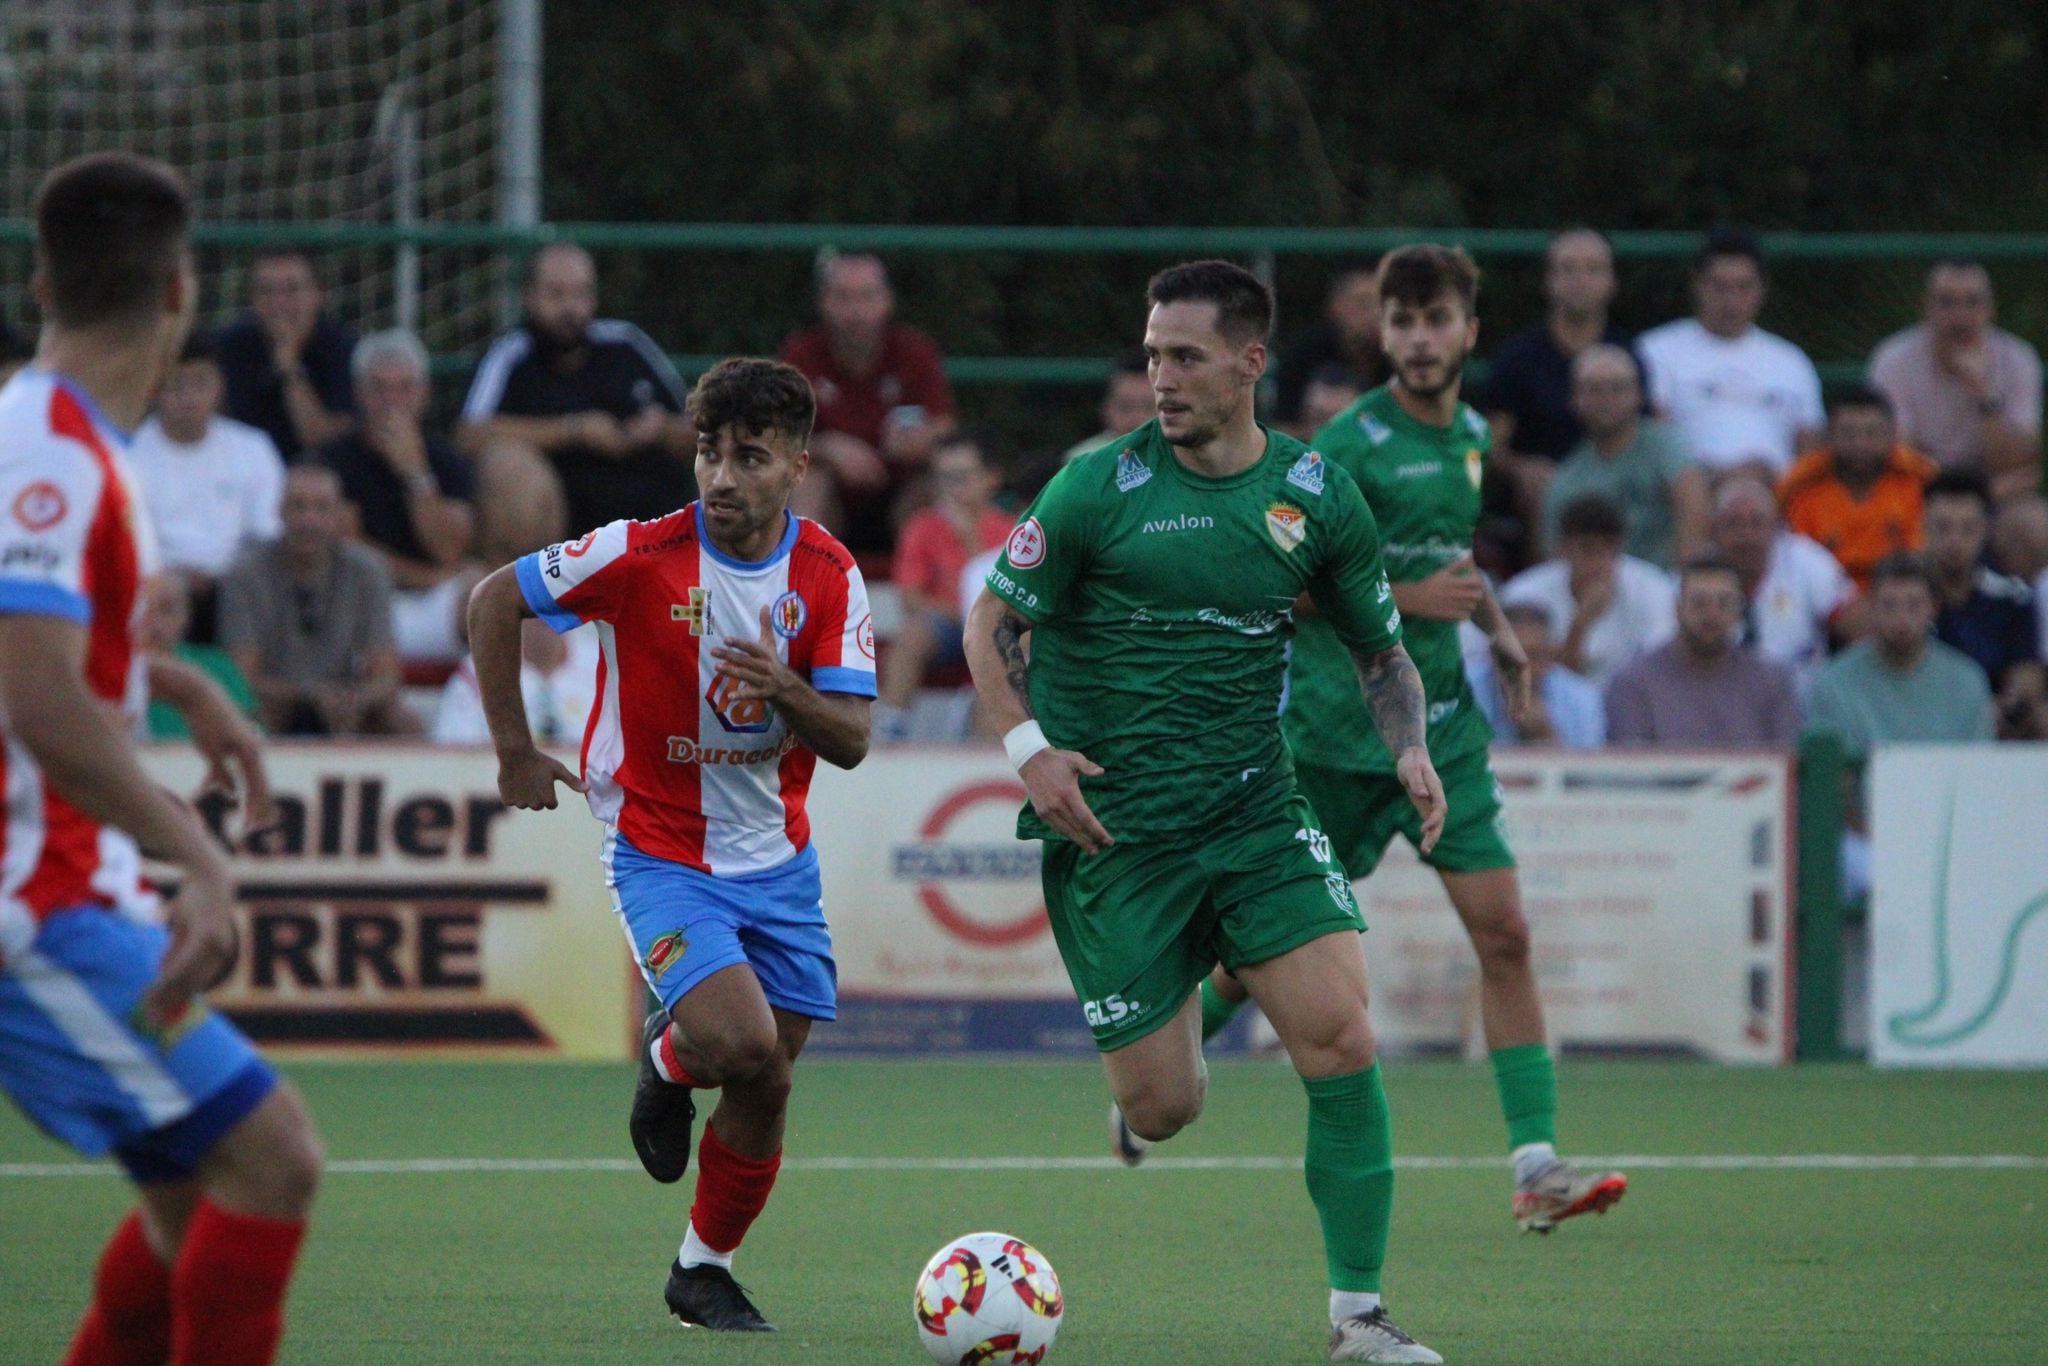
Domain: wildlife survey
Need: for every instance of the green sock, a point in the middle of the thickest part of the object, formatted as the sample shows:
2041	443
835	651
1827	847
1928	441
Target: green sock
1217	1010
1350	1168
1528	1093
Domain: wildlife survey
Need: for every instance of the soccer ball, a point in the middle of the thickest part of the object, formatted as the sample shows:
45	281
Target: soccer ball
987	1300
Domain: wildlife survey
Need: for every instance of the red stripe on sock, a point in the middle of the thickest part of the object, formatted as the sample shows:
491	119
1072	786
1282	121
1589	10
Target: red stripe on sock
227	1290
129	1320
672	1066
731	1190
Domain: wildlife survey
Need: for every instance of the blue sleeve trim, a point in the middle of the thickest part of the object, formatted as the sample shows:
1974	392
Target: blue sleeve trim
560	619
838	678
25	598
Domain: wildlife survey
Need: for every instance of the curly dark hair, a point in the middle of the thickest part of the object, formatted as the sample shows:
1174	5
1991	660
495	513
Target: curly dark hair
755	395
1417	275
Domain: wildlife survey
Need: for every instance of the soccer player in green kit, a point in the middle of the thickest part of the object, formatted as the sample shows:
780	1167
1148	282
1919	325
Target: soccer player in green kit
1417	454
1156	579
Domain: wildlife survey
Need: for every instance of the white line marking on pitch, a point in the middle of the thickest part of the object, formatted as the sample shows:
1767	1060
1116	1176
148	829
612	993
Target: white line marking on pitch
1746	1162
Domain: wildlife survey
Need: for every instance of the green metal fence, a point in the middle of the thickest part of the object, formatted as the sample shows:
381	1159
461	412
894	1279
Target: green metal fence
1251	243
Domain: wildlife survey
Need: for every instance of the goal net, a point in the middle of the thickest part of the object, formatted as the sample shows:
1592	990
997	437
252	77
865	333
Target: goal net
325	111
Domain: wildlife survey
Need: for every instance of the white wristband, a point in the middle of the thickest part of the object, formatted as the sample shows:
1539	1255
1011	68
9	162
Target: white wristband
1023	741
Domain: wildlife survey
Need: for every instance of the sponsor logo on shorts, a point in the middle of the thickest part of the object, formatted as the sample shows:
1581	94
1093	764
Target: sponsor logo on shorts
1307	474
1288	526
1110	1010
664	953
40	506
1131	472
788	615
1318	843
1027	545
1340	891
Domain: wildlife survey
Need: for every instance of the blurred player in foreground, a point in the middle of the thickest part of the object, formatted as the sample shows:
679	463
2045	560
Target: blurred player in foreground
1417	454
737	651
1156	578
103	1040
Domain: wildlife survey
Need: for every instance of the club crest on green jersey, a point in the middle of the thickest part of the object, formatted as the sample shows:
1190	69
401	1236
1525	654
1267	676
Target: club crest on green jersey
1287	524
1131	472
1472	466
1307	474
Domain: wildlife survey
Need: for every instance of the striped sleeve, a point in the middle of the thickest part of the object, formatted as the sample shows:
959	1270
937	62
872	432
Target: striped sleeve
48	504
658	368
487	390
843	659
576	581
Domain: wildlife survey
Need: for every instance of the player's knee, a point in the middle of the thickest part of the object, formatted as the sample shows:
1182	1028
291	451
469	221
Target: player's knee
1161	1112
765	1091
1337	1046
744	1056
278	1172
1504	942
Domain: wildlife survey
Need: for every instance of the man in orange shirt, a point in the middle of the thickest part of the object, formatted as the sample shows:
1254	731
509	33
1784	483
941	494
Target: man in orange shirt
1859	495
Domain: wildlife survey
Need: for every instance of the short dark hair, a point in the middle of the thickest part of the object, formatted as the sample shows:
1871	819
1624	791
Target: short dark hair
1417	275
1708	563
1861	396
1959	484
110	236
1244	302
1903	566
1592	514
1729	241
284	251
755	395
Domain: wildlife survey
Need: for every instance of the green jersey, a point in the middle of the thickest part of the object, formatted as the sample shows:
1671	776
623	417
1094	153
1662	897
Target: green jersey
1162	604
1422	484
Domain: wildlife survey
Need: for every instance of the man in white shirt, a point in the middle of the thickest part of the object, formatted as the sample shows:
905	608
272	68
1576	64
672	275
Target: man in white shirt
1606	607
1799	596
1738	394
557	680
211	484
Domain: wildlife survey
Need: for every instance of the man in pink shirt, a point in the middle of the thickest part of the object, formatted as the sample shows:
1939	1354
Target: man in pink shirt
1965	392
934	548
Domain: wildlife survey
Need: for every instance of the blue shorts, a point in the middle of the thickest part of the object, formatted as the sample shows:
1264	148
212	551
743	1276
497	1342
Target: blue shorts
685	925
77	1062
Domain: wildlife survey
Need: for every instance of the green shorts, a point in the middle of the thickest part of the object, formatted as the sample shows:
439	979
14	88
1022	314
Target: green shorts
1362	811
1140	925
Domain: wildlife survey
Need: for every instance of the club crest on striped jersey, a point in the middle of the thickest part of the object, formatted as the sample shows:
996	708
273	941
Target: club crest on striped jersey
697	611
788	615
1130	473
665	952
1307	474
1287	525
1027	545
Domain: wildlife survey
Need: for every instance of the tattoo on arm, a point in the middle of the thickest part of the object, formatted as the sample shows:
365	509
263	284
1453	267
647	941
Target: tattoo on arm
1010	632
1393	695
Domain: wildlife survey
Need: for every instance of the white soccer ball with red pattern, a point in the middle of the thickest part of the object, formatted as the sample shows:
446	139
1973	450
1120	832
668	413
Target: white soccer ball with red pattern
987	1300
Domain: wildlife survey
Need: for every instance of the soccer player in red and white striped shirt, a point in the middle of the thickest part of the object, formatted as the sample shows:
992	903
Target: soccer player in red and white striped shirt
736	651
103	1041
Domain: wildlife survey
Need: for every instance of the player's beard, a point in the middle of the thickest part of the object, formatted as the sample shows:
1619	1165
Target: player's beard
1453	372
1205	425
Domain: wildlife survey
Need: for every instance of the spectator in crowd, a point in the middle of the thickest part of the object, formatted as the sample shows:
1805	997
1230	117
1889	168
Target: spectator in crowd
1986	615
1798	598
1331	390
1705	688
1348	336
936	545
1529	396
1966	392
1606	607
212	485
409	496
883	402
286	360
1126	405
1739	395
15	352
2019	546
1564	708
307	618
1859	495
1898	686
1635	461
557	678
166	621
573	420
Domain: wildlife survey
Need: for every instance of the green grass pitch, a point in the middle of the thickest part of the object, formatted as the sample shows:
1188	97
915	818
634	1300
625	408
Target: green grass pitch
1184	1262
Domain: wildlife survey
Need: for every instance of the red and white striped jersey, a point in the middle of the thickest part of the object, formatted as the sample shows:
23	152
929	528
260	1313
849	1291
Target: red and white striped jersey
684	770
74	544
